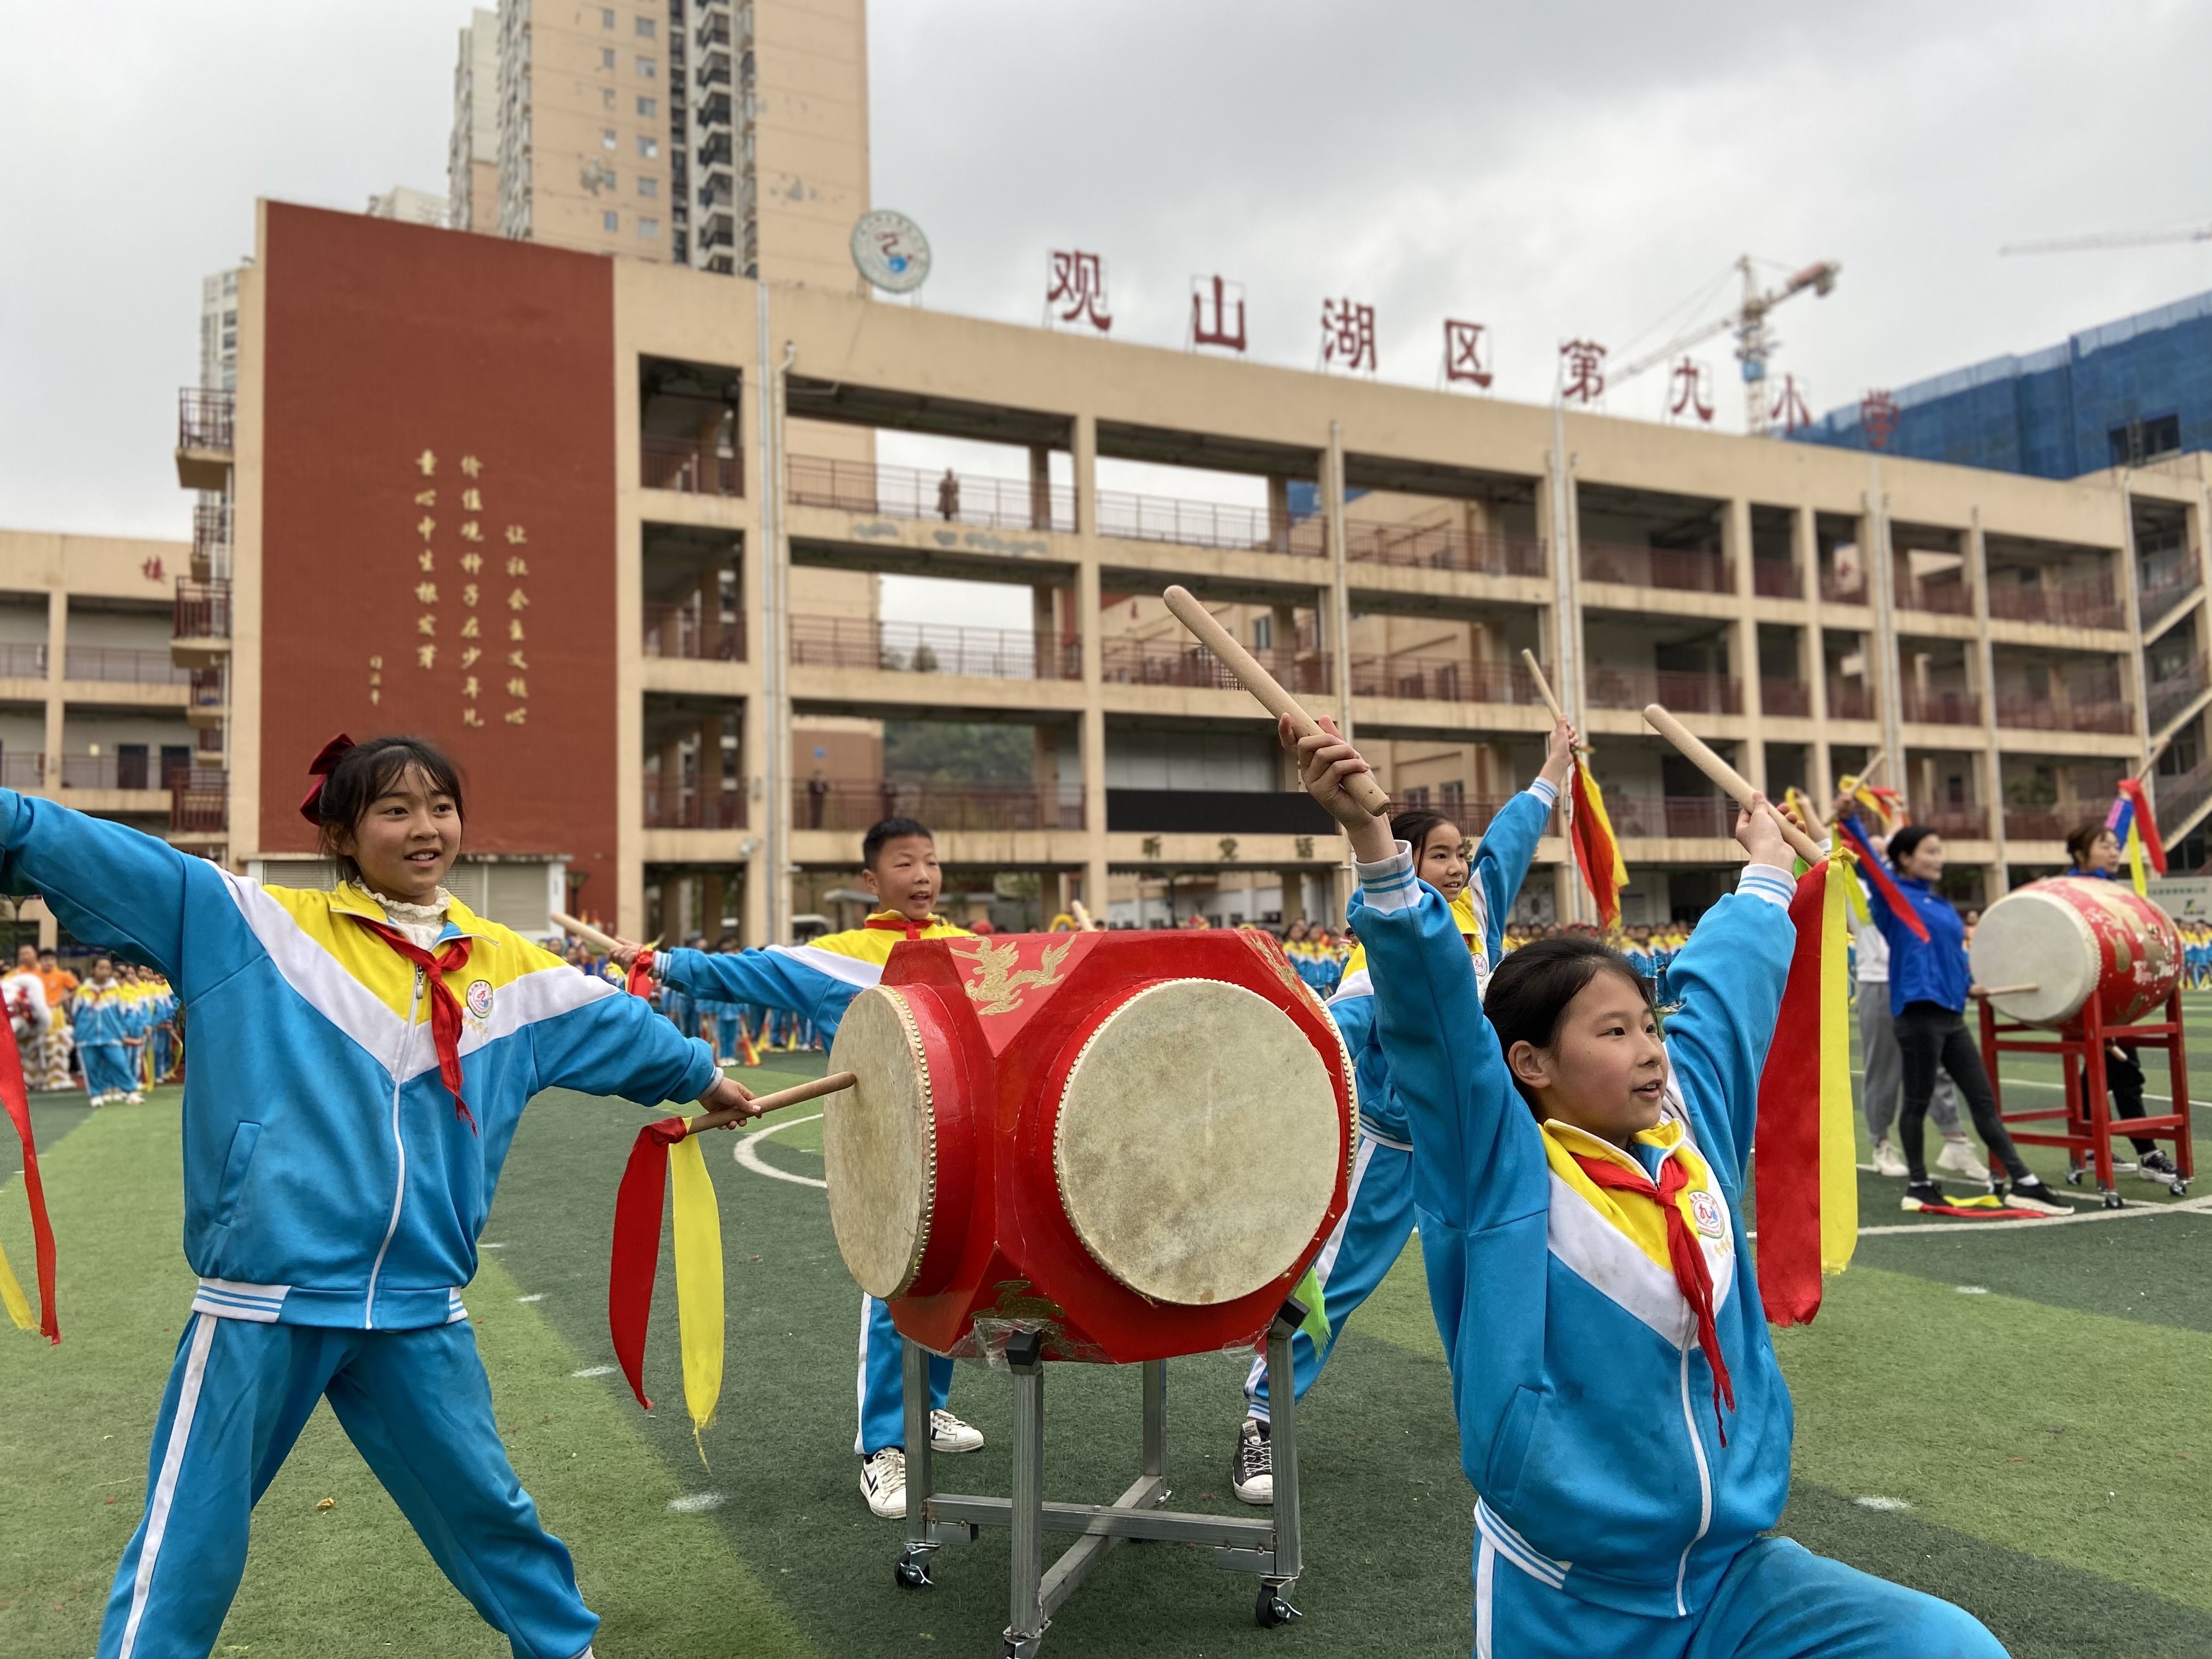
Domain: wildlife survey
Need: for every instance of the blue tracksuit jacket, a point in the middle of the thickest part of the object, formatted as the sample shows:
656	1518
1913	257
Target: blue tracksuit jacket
1584	1403
814	982
328	1179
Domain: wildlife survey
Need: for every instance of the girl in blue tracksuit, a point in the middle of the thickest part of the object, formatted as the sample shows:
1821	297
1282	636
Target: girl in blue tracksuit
1378	1214
368	1054
1577	1184
103	1024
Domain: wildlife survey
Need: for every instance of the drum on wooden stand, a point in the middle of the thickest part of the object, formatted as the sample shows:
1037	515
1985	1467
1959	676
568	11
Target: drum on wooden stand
2073	938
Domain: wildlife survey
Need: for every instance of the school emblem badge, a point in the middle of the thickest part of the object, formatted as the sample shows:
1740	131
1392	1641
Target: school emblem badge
480	998
1705	1210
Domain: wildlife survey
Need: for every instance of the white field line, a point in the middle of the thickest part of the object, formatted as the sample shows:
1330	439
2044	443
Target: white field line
2080	1217
759	1166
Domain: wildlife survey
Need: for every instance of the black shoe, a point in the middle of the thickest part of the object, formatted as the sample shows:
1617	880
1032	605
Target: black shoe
2033	1194
1252	1476
1924	1194
2157	1166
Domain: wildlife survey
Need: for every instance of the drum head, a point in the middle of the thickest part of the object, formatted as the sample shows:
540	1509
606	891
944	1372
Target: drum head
879	1144
1198	1142
2029	937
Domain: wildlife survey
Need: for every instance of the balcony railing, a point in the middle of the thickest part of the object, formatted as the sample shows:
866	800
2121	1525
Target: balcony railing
2042	714
994	653
117	665
1683	692
1206	524
2156	599
2074	604
2169	697
203	610
1849	700
2041	823
1944	598
1836	591
693	465
1672	815
906	492
1959	822
24	662
1942	708
1655	567
1444	547
211	535
1442	679
2177	796
1791	698
137	771
1168	661
682	630
856	803
199	802
207	688
683	803
204	419
1776	579
23	771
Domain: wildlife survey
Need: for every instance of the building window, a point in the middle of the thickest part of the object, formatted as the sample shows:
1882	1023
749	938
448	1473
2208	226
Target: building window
606	97
1263	633
648	148
648	108
606	57
649	229
607	17
610	221
646	69
649	187
2142	441
608	138
1453	797
645	28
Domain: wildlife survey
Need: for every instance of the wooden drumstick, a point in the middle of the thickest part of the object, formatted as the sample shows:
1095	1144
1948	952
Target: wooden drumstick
1083	922
2003	990
583	931
1732	782
1874	764
1183	605
760	1103
1544	690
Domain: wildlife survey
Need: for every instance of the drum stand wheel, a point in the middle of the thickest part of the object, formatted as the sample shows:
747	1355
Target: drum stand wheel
2112	1199
1272	1547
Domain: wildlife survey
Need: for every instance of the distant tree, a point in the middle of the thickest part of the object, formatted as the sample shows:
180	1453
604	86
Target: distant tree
945	751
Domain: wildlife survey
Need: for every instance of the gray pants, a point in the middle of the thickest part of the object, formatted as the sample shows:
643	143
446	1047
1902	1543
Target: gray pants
1883	1085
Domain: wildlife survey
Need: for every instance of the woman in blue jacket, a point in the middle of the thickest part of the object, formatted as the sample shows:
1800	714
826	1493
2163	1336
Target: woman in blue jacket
366	1055
1577	1184
1928	992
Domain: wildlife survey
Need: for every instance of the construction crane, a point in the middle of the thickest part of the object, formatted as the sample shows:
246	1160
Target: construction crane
1754	337
2111	239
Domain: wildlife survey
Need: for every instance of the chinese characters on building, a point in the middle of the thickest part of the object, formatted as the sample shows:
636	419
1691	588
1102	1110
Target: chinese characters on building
1878	417
1789	409
475	578
1347	336
1226	328
1467	354
1077	290
1582	372
1690	391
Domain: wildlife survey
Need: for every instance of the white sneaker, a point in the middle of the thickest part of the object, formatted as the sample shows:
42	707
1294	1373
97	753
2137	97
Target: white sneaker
883	1483
1959	1156
1887	1160
134	1098
947	1433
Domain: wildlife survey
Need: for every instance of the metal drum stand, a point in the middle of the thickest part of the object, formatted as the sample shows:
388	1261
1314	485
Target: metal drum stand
934	1520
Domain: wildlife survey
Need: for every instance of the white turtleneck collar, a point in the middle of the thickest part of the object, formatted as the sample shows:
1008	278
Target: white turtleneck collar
419	924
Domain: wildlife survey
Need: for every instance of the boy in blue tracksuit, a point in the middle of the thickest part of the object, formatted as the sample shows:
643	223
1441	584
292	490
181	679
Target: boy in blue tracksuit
1378	1214
812	984
104	1023
369	1052
1577	1184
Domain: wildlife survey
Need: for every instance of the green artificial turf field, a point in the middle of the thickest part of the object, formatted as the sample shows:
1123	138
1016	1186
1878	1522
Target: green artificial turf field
2013	1418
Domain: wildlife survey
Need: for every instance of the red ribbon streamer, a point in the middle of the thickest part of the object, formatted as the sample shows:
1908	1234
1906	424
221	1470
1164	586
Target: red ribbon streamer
2146	825
1596	852
640	980
637	1260
1787	1140
1877	871
17	1099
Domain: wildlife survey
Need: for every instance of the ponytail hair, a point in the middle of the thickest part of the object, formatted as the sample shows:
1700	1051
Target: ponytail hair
1530	992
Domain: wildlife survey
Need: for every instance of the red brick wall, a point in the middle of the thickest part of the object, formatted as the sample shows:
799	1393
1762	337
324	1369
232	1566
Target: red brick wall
387	343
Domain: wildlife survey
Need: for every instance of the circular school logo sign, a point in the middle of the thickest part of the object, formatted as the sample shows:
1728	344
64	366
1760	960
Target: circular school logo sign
480	1002
1705	1209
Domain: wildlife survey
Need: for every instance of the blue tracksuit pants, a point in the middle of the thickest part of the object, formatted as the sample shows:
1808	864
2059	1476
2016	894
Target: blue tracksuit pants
1378	1220
882	1391
108	1069
417	1406
1776	1601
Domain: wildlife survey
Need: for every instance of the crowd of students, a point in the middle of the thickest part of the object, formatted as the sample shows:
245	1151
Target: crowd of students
114	1033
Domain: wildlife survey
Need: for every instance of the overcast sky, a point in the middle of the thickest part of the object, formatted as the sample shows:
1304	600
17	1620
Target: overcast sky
1552	171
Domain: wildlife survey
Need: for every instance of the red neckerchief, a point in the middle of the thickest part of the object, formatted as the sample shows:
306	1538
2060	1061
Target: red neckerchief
900	924
1691	1275
445	1007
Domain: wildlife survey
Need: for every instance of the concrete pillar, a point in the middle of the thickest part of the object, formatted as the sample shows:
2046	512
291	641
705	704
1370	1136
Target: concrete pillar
1092	738
1735	548
1294	895
1989	763
711	906
1813	653
1083	446
1278	512
56	711
1040	487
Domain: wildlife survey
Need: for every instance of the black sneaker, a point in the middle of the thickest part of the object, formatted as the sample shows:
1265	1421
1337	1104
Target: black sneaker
1253	1468
2033	1194
1924	1194
2157	1166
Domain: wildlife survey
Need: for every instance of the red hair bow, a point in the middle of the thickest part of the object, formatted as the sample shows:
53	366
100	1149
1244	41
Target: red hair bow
311	804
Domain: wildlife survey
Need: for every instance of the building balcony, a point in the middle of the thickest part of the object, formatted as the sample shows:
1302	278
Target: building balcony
200	636
1673	817
2075	605
211	541
1170	659
135	770
24	772
206	703
1941	707
2179	797
1942	598
205	437
906	492
1776	579
1681	692
22	661
1442	679
2041	823
1849	700
693	466
682	630
122	666
992	653
1788	699
2042	714
2168	697
1657	567
1837	589
1207	523
1442	547
857	803
199	803
2157	599
685	803
1957	821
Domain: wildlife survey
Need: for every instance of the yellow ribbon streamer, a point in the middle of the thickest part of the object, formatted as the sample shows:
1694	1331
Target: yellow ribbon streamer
2135	861
1839	1177
698	1230
11	1294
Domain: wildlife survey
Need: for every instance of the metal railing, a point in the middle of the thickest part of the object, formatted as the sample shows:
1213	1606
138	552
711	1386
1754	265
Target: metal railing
2040	822
682	630
1442	547
211	535
24	661
906	492
856	803
203	610
2074	604
1787	697
23	771
121	664
1657	567
695	466
199	802
207	688
1168	660
1776	579
1442	679
2177	797
1674	815
901	647
1960	821
685	803
1206	524
204	419
1943	598
2043	714
137	771
1683	692
2169	697
1849	700
2154	600
1942	708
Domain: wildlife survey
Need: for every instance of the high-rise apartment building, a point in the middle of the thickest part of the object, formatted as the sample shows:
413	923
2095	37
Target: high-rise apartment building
417	207
473	152
219	330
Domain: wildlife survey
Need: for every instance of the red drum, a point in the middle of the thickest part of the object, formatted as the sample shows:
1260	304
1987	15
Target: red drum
2072	937
1134	1142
